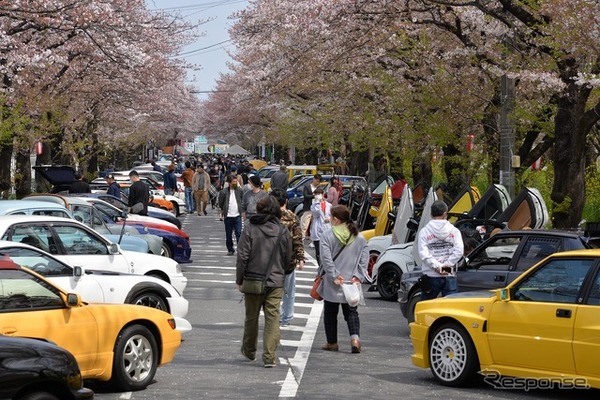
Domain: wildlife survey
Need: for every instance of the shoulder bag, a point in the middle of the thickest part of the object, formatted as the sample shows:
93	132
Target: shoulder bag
257	284
319	278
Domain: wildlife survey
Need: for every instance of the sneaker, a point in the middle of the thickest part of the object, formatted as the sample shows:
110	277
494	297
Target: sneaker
246	357
270	364
311	245
284	323
330	347
230	253
205	213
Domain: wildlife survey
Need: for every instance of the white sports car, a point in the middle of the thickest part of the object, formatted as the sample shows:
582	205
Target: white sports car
76	244
102	286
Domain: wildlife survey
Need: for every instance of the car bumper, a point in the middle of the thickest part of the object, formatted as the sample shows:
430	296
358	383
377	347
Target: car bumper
182	325
179	282
418	336
82	394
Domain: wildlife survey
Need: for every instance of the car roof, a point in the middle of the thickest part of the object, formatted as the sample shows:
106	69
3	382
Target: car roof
538	232
57	198
14	219
7	206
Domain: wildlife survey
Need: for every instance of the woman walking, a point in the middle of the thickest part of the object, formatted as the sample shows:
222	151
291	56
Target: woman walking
344	259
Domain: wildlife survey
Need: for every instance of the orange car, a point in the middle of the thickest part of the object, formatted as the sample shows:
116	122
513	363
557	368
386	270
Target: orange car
155	201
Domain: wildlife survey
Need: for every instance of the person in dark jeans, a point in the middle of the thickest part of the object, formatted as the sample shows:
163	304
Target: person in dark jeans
440	247
230	204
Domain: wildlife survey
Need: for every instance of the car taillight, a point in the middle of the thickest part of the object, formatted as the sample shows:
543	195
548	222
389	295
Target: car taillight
171	322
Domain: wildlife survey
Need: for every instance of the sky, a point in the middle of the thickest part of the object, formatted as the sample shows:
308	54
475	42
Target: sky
210	50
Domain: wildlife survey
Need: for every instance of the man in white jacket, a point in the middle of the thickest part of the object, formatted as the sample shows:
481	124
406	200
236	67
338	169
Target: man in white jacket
440	247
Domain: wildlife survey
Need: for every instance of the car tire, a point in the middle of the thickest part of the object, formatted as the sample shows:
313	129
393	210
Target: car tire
373	256
414	298
453	358
149	298
135	359
37	396
388	281
176	208
165	250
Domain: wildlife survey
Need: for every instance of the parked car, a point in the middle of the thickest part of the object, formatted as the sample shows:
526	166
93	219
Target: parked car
541	326
496	262
100	286
37	369
39	207
76	244
123	344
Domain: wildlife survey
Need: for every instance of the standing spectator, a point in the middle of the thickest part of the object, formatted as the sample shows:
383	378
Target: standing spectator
234	172
333	193
251	197
280	178
200	184
349	248
321	218
139	194
290	221
265	249
230	204
79	186
113	187
170	180
440	247
187	177
307	192
180	166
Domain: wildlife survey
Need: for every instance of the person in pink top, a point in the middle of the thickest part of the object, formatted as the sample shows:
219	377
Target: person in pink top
333	193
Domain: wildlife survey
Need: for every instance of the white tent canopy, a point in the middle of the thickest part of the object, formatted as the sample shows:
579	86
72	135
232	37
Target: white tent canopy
237	150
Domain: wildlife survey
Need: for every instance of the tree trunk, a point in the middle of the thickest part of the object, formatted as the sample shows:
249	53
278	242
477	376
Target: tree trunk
23	174
568	191
5	156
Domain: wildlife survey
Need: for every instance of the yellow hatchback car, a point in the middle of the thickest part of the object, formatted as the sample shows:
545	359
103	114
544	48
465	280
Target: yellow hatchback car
123	344
541	331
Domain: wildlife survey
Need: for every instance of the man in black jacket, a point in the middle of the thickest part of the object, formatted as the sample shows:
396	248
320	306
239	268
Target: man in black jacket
139	194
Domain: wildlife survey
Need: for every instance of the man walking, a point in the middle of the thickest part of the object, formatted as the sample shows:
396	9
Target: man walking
113	187
251	197
200	184
230	204
440	247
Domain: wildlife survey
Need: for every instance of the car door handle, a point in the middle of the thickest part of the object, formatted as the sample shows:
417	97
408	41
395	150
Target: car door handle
562	313
499	278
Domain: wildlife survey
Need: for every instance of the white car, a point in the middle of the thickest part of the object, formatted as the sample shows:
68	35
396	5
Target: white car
102	286
76	244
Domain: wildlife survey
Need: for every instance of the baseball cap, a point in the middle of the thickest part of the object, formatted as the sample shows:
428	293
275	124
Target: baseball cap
110	176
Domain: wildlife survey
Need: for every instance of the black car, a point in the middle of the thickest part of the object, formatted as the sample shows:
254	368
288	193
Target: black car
496	262
36	369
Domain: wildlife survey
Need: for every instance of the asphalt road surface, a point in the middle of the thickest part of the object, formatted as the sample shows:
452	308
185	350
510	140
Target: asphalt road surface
208	364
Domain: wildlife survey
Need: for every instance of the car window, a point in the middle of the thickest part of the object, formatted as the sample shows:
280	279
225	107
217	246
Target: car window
594	297
78	241
558	281
52	213
36	235
22	291
497	255
536	249
36	261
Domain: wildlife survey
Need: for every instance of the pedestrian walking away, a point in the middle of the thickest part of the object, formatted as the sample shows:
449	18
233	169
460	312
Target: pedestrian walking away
280	178
344	259
290	221
170	180
265	250
308	196
187	177
440	247
230	205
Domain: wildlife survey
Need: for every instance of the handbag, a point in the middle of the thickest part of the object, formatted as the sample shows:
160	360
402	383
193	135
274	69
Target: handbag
319	278
257	284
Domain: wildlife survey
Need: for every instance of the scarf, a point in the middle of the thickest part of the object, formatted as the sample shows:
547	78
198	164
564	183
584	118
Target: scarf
342	233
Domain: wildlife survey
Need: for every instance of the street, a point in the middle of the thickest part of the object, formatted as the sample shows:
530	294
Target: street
208	364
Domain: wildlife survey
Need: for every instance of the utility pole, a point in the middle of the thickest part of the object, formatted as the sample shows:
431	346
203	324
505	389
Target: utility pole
507	135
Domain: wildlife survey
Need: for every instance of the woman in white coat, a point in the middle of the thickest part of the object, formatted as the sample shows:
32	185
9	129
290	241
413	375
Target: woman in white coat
321	220
349	248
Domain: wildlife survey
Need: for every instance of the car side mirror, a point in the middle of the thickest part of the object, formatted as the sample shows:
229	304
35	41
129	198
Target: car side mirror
503	294
73	300
113	248
392	216
412	224
77	271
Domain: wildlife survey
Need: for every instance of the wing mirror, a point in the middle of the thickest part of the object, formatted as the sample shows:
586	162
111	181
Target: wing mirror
503	294
113	248
412	224
77	271
392	216
73	300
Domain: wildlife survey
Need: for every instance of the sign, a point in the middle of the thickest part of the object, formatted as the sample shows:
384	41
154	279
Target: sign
39	148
